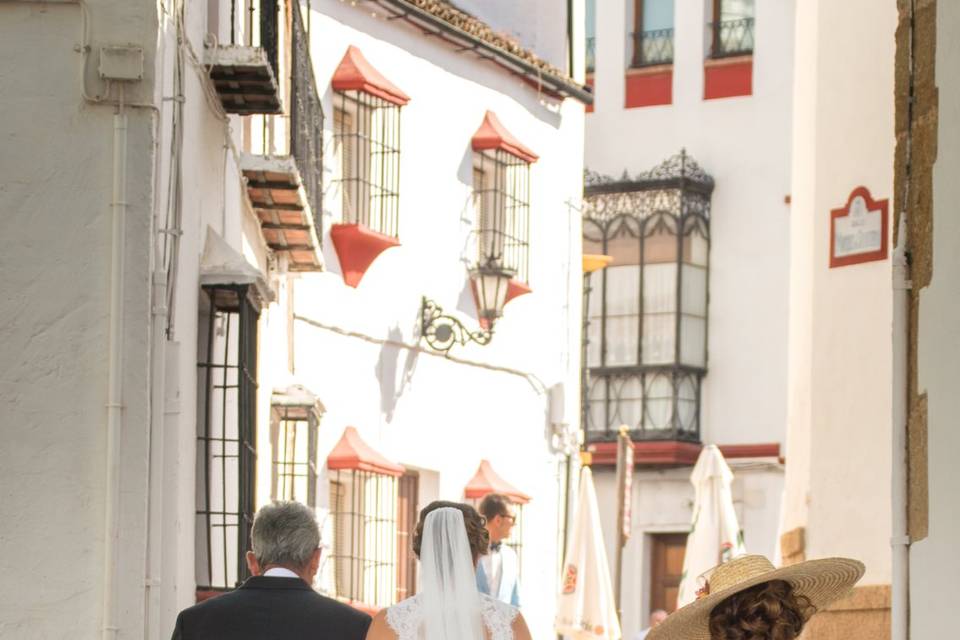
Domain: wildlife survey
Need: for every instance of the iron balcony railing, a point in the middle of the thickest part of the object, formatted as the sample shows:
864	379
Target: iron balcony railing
652	47
244	15
732	37
591	55
307	119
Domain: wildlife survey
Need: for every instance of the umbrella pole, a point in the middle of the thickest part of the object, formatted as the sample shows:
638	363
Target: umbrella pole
624	497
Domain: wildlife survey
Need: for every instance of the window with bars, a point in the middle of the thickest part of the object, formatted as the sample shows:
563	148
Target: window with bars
363	506
226	435
294	426
501	198
652	36
732	28
367	152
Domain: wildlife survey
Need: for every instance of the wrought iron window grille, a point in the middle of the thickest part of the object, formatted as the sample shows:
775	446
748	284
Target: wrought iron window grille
645	316
306	119
367	143
652	47
226	435
294	439
501	196
363	506
732	38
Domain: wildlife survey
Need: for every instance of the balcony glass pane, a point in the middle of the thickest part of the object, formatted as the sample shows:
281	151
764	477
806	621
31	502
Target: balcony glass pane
629	405
735	10
621	340
659	403
687	403
693	341
597	417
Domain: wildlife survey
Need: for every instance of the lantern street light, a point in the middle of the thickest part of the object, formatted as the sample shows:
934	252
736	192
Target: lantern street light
441	331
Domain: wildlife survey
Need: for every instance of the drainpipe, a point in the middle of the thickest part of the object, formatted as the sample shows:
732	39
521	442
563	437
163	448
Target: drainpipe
118	207
155	434
900	534
900	539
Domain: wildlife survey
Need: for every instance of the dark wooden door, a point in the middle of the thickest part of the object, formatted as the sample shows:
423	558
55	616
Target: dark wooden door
408	498
666	568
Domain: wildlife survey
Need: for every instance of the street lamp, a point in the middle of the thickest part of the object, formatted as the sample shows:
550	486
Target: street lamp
441	331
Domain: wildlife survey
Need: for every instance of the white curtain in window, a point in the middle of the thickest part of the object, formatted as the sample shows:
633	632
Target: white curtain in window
687	404
659	402
659	307
598	411
623	308
630	402
693	323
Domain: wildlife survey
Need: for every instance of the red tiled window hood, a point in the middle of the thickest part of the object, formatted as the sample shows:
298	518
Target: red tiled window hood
353	454
493	135
486	481
357	247
356	74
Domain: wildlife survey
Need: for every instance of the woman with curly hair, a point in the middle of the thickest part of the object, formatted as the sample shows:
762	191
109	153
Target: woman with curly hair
449	539
748	599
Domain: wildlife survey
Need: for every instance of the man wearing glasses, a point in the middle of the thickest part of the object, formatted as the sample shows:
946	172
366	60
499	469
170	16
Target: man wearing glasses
498	572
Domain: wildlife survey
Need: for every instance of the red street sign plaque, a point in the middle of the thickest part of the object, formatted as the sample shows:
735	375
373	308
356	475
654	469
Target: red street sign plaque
858	231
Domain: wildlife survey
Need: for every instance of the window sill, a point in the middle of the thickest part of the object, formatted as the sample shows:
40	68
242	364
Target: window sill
724	60
650	69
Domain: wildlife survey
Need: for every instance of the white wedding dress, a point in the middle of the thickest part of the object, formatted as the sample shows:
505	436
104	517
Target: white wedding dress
406	618
449	606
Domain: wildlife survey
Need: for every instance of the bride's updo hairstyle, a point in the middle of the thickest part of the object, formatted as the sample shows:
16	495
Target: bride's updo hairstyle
477	533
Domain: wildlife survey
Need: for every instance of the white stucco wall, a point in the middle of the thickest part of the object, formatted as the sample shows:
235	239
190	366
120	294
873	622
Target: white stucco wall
744	143
55	192
430	413
838	450
934	561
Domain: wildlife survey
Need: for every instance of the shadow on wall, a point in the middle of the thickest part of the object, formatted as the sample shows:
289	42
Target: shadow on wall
386	372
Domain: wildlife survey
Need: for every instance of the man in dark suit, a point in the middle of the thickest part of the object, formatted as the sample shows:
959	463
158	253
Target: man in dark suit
278	601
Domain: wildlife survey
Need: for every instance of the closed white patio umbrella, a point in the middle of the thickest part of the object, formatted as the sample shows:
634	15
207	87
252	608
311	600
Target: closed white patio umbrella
715	536
586	609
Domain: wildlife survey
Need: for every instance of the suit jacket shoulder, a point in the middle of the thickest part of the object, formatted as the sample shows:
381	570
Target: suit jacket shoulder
265	608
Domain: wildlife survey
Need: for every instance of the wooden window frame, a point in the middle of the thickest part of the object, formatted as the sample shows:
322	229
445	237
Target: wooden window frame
637	37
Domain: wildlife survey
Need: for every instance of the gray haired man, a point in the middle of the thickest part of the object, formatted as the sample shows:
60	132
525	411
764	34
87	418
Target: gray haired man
278	601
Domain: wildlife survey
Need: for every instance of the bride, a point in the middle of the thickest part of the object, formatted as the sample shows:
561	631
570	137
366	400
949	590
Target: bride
449	540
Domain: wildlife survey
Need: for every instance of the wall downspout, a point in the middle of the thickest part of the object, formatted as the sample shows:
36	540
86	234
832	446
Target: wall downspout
900	537
118	206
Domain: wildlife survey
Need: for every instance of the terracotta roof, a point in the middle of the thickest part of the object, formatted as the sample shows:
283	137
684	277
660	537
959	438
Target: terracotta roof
480	29
354	73
493	135
487	481
441	18
353	454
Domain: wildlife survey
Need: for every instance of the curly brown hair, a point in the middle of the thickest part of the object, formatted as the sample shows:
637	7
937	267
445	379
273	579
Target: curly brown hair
767	611
477	533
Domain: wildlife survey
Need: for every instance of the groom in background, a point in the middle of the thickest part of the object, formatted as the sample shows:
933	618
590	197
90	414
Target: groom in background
498	572
278	601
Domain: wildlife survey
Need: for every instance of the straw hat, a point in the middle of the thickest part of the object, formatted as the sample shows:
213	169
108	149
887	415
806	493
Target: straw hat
822	581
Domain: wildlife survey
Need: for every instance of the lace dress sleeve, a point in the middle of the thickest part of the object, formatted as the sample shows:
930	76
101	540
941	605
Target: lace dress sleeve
403	618
498	618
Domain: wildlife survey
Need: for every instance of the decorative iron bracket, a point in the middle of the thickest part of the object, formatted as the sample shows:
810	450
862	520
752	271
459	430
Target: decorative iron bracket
442	331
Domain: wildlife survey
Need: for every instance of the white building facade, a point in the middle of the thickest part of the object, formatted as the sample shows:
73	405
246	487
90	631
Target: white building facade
308	192
689	149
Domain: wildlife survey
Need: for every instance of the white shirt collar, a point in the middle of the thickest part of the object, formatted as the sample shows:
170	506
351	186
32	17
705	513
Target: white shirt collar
279	572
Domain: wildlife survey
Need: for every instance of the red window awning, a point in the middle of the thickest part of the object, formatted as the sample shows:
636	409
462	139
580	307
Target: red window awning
487	481
354	73
493	135
353	454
